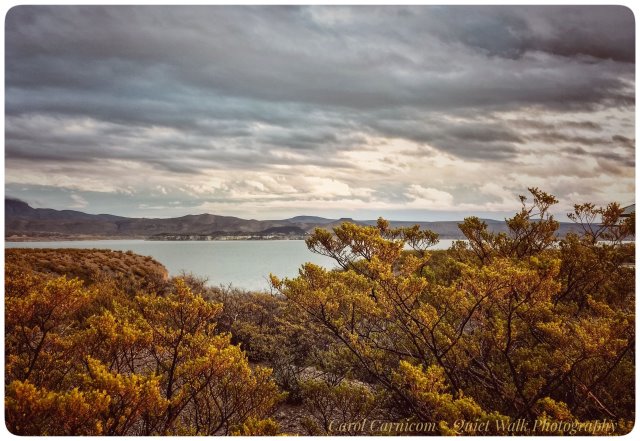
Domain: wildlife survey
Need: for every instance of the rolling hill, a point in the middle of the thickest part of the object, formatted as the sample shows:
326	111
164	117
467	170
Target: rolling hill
23	222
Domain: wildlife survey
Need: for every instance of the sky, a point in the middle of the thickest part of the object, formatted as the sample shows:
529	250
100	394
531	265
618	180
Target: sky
411	113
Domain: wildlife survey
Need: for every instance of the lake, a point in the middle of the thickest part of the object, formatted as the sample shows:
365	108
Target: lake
241	263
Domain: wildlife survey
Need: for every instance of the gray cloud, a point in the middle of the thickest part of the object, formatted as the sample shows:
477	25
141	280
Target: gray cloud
600	32
268	90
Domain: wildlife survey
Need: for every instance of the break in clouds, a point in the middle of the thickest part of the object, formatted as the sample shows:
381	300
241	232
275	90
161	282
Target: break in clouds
407	112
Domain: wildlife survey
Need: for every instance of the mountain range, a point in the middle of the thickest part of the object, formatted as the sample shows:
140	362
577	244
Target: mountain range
23	222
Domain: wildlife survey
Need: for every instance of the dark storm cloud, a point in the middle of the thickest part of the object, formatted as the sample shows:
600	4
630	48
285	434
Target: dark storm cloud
559	137
216	147
624	141
155	56
468	140
190	89
621	159
600	32
541	125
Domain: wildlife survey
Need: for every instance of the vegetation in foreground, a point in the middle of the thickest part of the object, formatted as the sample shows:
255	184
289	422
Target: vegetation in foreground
500	330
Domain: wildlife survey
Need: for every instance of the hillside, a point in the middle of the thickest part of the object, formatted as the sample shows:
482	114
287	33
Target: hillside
23	222
88	265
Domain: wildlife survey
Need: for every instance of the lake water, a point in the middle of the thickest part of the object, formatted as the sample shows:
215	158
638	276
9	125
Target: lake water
242	263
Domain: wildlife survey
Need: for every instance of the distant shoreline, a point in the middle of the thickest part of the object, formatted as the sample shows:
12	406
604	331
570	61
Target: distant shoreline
147	239
67	238
14	240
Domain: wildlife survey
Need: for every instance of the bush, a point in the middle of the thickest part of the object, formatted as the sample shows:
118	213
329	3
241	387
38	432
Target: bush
96	361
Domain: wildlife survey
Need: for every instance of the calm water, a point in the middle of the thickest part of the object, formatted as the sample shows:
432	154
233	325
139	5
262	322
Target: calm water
243	264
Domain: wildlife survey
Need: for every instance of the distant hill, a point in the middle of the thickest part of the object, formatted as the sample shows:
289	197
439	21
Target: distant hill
309	220
23	222
21	210
286	229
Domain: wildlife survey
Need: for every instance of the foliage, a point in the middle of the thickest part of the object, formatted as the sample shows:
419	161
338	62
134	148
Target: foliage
98	361
272	333
253	427
510	325
328	405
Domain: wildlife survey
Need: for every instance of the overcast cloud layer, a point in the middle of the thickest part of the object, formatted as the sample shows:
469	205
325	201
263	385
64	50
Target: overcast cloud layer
409	112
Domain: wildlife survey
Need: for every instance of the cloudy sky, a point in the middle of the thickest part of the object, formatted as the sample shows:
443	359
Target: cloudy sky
415	113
